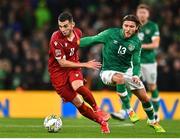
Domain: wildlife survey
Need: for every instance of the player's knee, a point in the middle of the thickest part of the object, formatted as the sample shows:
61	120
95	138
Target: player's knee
152	87
118	78
76	84
142	95
145	99
77	101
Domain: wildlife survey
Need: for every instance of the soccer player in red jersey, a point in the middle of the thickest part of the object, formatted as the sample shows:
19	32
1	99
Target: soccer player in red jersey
65	70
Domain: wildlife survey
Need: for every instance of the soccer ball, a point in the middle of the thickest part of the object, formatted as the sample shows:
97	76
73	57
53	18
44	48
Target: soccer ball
53	123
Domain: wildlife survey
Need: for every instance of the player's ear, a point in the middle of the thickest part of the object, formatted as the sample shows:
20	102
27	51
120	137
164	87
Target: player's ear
137	28
73	24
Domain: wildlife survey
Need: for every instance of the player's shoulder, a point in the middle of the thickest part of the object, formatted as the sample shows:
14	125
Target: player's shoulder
152	23
78	31
134	44
110	31
115	30
56	35
56	38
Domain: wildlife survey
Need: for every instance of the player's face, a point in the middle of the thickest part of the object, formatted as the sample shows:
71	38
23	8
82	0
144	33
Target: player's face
142	14
66	27
129	28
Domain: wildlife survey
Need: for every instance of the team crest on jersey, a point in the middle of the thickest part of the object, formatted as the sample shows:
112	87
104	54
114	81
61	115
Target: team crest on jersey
131	47
65	44
141	36
147	31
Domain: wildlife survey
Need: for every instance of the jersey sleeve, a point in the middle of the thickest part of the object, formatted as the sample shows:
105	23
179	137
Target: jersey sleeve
93	40
57	49
156	31
136	60
80	33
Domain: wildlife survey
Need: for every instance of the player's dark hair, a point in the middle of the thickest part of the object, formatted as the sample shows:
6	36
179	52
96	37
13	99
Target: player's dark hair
133	18
143	6
65	16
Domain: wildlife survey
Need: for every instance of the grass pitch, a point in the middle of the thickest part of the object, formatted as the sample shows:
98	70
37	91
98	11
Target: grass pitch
83	128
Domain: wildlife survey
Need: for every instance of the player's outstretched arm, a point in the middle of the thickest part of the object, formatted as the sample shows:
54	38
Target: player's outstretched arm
89	41
93	40
92	64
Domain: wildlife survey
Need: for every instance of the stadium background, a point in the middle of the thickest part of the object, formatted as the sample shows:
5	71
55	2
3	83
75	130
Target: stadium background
25	29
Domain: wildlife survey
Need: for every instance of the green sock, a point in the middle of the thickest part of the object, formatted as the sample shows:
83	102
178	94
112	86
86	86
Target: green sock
121	89
129	95
155	100
148	108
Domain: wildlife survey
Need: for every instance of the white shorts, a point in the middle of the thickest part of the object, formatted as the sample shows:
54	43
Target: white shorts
106	77
149	73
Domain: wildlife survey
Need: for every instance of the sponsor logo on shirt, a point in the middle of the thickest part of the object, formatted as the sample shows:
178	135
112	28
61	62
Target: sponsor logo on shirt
55	43
115	41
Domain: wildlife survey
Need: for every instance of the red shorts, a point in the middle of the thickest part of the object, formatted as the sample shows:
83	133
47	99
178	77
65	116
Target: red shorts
66	91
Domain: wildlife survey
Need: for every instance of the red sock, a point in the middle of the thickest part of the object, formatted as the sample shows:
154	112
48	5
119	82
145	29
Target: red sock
88	97
89	113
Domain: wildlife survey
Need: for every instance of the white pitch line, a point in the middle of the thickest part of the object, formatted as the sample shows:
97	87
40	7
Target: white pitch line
69	126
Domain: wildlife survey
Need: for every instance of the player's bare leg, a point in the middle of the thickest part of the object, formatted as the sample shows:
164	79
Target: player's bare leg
79	87
90	114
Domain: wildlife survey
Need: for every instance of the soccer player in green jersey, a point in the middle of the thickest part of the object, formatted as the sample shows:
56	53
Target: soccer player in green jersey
149	36
121	47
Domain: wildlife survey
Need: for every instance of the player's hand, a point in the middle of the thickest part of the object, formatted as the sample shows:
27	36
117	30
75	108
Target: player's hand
136	79
143	46
93	64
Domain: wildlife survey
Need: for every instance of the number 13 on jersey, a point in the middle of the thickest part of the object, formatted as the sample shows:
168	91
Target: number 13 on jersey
121	50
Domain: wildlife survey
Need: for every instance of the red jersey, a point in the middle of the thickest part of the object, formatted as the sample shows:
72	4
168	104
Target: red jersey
61	48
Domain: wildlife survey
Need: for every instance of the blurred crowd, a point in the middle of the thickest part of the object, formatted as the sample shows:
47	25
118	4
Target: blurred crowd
26	27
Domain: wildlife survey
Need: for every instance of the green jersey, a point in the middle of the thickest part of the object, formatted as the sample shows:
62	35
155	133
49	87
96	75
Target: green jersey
146	33
118	52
